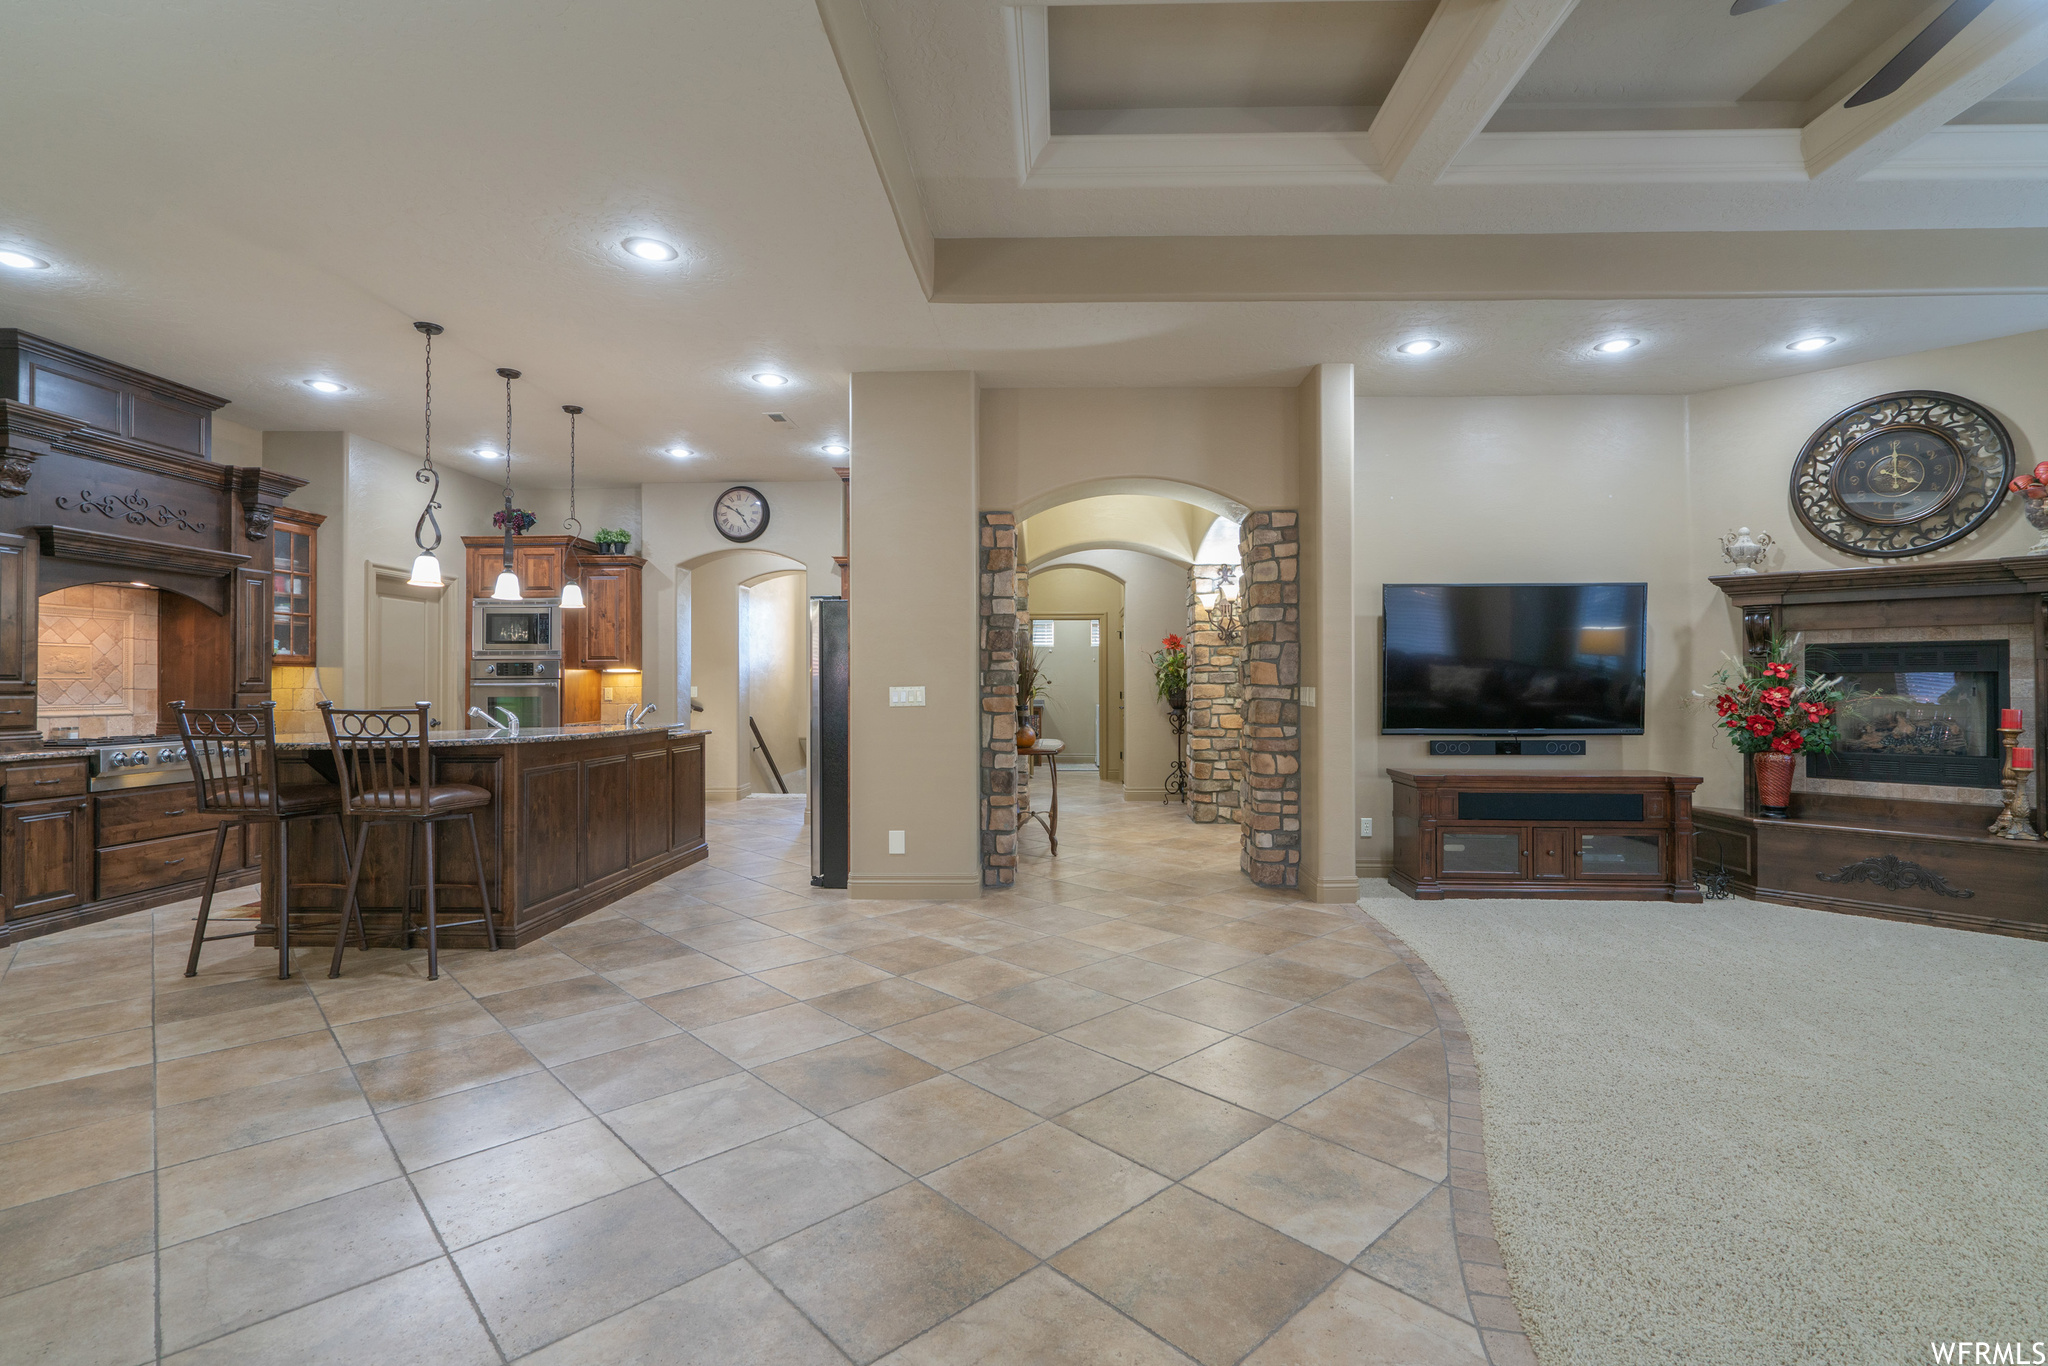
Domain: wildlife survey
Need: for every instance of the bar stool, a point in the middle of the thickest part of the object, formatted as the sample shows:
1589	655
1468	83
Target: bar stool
233	753
381	758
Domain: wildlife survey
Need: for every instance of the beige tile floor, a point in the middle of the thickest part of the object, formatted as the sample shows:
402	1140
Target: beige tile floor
1133	1111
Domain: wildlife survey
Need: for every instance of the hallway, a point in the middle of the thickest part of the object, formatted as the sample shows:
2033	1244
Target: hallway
1134	1111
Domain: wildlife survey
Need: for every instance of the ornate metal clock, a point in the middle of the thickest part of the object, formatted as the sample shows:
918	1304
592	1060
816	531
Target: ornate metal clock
1902	474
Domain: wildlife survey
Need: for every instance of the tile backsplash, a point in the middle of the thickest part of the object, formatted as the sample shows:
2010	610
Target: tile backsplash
97	660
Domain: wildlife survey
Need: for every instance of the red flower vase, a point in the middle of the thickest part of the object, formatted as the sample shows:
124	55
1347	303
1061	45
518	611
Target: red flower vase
1773	784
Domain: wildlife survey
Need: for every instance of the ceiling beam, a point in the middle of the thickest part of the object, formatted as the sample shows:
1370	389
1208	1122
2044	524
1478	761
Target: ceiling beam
859	53
1467	61
2006	40
1872	263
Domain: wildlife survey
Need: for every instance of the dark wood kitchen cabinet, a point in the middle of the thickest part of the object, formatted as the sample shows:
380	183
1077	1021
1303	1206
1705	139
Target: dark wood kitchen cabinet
47	851
17	634
605	634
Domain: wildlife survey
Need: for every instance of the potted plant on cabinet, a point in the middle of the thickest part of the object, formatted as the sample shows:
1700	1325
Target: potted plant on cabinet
1768	716
611	541
1170	672
522	521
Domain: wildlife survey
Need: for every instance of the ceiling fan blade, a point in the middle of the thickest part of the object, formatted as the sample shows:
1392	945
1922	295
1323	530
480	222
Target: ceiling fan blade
1751	6
1919	52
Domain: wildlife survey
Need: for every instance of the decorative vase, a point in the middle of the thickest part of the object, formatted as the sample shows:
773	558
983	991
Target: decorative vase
2037	518
1744	553
1773	784
1026	737
1178	699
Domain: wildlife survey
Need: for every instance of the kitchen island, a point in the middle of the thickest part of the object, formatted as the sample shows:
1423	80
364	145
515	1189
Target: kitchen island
579	817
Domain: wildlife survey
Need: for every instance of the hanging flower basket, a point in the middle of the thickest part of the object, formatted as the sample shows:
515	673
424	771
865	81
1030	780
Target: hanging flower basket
522	520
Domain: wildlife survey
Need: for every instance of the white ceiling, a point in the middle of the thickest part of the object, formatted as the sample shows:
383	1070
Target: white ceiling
242	195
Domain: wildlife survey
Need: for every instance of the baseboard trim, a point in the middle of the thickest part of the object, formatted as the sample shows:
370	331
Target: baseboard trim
1372	867
727	794
1330	890
1155	795
913	887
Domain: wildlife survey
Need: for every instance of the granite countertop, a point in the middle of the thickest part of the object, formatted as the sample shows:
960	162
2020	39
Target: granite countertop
536	735
22	756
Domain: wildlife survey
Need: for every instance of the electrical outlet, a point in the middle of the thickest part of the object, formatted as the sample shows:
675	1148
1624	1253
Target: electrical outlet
895	841
1308	697
1365	827
906	697
608	695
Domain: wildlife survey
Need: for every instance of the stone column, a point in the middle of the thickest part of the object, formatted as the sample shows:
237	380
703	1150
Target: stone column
1214	716
999	626
1271	599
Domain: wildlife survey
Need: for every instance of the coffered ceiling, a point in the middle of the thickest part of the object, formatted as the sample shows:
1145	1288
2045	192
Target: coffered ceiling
244	195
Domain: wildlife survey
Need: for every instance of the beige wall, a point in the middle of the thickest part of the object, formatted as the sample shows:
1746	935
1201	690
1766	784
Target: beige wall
1743	443
1073	591
1155	602
234	444
1558	489
617	508
915	621
778	676
1239	443
804	525
1329	828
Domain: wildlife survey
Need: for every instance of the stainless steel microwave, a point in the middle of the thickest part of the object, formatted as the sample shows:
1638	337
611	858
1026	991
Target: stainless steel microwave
531	627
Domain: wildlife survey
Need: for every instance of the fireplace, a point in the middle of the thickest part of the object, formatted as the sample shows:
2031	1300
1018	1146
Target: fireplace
1922	712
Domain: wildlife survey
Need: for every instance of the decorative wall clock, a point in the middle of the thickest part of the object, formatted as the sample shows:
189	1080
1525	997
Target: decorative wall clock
1902	474
740	514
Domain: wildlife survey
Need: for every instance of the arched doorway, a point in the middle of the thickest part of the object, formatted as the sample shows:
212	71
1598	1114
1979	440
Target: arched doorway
715	606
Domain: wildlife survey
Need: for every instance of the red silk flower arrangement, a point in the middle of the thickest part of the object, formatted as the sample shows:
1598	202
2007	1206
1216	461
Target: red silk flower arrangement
1762	709
1170	668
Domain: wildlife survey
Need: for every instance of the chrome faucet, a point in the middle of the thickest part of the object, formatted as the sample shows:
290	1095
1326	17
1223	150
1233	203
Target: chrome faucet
510	724
636	715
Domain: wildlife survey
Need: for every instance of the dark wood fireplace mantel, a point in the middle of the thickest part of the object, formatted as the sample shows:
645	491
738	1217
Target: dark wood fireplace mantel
1832	854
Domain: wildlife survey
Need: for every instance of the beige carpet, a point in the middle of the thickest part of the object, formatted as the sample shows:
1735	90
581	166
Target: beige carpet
1751	1134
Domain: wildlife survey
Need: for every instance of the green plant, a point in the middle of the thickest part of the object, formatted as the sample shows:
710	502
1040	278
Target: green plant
1170	666
1762	710
610	536
1030	684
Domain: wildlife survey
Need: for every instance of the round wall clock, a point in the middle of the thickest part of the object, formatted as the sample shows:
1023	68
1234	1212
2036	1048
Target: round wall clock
1902	474
740	514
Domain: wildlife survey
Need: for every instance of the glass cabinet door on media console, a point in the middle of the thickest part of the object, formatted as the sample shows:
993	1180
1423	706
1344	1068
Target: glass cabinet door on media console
292	578
1483	853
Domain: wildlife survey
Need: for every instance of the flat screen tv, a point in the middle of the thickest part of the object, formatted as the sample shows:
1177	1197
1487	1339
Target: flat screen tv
1513	659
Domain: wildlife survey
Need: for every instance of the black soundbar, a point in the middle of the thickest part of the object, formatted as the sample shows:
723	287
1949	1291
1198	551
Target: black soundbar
1522	747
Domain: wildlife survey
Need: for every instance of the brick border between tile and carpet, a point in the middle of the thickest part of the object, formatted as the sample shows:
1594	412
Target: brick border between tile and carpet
1486	1281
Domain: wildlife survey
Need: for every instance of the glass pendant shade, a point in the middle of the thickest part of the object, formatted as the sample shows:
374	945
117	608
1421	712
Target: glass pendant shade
572	594
426	571
1208	601
507	588
1228	587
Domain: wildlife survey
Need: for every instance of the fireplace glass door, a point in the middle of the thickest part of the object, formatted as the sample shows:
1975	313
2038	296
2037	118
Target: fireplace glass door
1916	713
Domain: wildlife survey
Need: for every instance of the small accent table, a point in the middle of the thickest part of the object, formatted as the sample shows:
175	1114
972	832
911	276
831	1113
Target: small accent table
1177	776
1048	750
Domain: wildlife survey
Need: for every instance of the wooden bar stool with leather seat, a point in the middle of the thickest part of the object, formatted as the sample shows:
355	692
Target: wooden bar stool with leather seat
382	760
233	753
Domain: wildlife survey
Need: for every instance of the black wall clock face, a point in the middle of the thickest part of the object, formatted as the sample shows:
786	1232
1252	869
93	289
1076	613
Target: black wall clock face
740	514
1902	474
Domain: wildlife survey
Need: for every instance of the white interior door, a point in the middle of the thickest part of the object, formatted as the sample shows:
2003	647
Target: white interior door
407	642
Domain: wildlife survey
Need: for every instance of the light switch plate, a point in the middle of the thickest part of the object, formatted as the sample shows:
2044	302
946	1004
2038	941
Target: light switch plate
1365	827
906	697
895	841
1308	697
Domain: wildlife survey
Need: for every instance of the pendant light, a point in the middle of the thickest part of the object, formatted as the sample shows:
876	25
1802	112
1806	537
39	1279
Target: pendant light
507	588
572	592
426	569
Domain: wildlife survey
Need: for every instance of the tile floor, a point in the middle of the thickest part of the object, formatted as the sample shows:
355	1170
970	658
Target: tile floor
1134	1111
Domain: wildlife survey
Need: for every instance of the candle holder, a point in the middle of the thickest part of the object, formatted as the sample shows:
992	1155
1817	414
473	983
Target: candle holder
2016	821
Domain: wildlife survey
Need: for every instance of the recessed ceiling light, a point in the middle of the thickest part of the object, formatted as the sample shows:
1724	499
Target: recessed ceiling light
648	249
1810	343
681	452
1616	345
486	453
21	260
770	380
1421	346
833	448
326	386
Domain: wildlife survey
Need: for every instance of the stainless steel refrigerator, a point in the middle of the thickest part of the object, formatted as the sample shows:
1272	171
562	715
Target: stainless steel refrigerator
828	742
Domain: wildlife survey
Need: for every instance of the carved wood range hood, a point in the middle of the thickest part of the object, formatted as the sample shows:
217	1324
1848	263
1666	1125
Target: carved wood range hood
106	475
